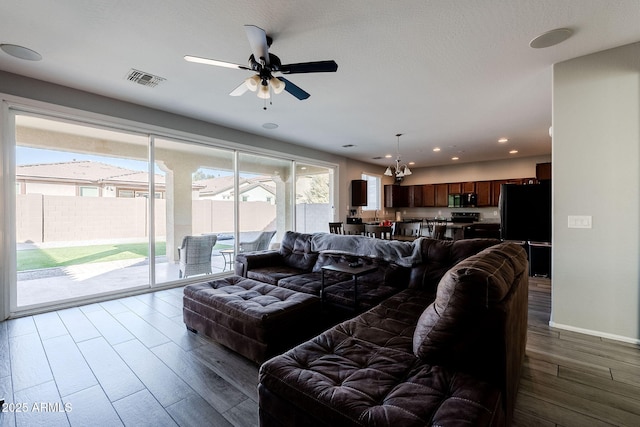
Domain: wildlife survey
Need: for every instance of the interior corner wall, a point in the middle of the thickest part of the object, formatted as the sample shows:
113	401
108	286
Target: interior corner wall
596	173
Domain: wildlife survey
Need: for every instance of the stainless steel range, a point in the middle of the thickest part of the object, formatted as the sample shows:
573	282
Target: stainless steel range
466	217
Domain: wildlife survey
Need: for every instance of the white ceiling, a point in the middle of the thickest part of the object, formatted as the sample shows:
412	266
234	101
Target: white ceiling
456	74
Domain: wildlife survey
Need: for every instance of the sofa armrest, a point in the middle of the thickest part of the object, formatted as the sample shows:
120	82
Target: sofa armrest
252	260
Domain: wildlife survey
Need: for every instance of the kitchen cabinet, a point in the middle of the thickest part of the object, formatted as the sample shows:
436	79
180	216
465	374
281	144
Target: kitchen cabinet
403	196
495	191
543	171
469	187
441	195
454	188
396	196
437	195
416	196
358	192
428	195
483	191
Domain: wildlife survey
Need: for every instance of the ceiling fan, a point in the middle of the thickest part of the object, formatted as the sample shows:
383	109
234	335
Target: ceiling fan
265	64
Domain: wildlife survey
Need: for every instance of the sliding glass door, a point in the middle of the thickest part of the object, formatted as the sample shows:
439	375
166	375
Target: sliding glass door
101	211
264	194
314	198
196	181
81	215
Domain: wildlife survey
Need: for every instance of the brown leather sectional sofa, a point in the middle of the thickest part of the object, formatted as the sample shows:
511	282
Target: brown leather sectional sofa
297	265
445	348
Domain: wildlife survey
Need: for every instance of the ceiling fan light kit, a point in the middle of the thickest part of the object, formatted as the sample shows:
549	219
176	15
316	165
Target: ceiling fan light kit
265	64
252	83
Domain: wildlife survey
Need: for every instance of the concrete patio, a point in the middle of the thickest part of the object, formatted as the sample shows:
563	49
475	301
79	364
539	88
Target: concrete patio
51	285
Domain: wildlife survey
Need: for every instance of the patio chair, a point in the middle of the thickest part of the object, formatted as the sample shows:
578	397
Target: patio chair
195	254
259	244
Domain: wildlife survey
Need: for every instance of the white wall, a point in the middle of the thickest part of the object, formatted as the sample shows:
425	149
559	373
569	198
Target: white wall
596	156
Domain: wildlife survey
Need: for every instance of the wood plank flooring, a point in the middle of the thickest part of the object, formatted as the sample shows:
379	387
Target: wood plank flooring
132	362
571	379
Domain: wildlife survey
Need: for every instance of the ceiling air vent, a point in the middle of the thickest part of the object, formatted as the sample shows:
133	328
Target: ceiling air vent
145	79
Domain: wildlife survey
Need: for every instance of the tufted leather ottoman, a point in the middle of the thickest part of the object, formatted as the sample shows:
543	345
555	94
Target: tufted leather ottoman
255	319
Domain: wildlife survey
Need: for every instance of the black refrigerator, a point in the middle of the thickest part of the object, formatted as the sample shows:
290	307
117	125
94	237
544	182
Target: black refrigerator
525	212
525	215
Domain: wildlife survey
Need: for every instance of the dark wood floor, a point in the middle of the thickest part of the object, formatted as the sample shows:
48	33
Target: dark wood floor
132	362
572	379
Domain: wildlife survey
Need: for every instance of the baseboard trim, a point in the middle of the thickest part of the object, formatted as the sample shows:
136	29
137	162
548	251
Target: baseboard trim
595	333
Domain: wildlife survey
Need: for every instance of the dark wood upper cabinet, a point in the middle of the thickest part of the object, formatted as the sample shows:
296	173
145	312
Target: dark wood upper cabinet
416	196
428	195
441	195
469	187
437	195
358	192
543	171
454	188
483	191
495	191
396	196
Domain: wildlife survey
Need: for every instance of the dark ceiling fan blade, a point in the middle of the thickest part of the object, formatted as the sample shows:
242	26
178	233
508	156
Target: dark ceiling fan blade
258	41
309	67
294	90
215	62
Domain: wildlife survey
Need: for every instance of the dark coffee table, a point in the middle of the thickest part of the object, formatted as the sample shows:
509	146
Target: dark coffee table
355	272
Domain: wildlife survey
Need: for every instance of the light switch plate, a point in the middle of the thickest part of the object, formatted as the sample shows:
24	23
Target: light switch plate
579	221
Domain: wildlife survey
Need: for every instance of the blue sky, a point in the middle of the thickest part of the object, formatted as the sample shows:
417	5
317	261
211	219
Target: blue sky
30	156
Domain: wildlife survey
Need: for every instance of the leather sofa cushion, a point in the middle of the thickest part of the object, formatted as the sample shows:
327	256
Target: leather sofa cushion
272	275
467	304
296	251
369	293
438	256
311	283
363	372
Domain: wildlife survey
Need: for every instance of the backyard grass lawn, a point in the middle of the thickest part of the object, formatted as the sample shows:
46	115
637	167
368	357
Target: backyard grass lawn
32	259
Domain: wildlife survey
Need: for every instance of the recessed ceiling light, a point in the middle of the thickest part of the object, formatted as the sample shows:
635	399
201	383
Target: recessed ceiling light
503	140
436	149
388	156
513	152
455	158
412	163
21	52
551	38
270	126
303	168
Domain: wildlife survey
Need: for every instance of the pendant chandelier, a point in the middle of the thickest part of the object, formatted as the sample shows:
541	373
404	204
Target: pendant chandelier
398	170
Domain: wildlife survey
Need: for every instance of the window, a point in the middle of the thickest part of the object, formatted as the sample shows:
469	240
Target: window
314	197
374	190
89	192
129	200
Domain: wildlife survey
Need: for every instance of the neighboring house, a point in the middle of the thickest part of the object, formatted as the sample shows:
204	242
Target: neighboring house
260	189
86	178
